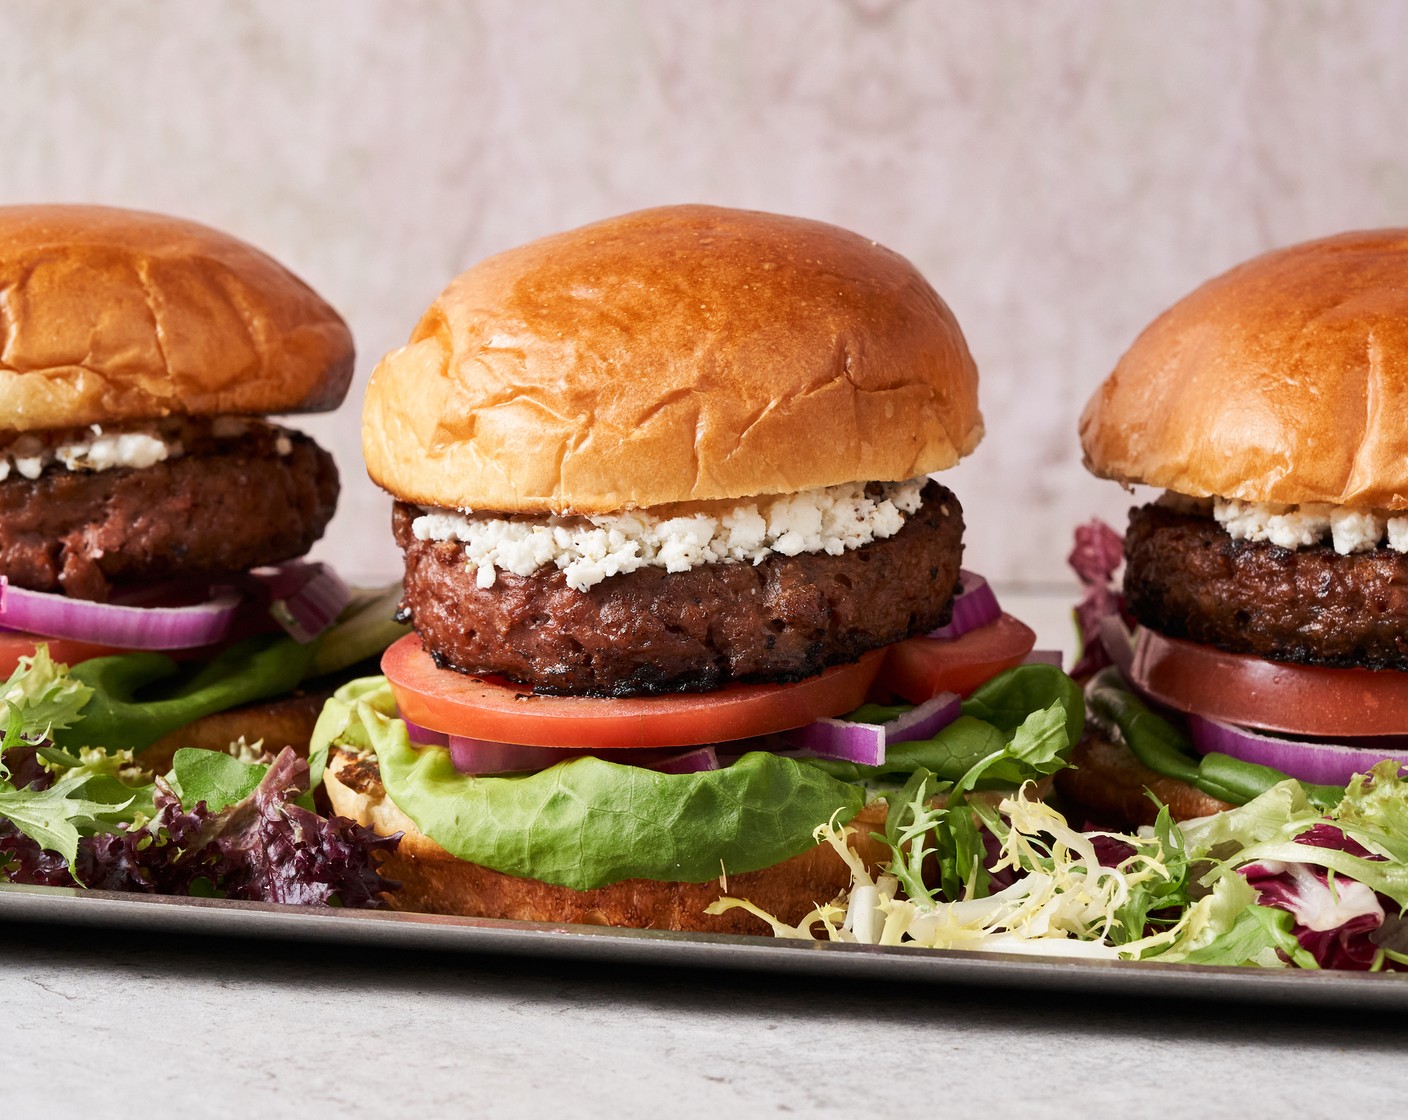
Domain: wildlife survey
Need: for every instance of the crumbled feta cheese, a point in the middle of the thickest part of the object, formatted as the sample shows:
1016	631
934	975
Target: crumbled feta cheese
136	446
105	452
591	549
1398	534
1349	530
1354	530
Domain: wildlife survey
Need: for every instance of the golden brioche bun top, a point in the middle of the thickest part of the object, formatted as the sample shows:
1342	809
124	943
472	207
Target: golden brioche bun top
1283	380
680	354
112	315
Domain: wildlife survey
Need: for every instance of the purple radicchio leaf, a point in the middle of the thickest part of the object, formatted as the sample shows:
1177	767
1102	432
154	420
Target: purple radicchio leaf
1096	557
1337	920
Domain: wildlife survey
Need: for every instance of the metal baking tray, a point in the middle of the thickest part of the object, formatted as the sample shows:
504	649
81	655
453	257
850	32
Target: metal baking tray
217	918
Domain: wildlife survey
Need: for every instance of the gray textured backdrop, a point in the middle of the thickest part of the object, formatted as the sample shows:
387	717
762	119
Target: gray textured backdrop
1061	172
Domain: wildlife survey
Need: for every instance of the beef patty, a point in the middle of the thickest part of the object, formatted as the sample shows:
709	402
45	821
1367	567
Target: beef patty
233	505
1187	578
652	631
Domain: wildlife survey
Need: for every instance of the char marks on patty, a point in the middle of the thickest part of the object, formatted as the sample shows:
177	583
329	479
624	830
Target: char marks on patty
652	631
1187	578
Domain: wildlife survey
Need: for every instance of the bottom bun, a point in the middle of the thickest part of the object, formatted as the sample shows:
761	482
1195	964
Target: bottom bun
1112	787
435	882
287	721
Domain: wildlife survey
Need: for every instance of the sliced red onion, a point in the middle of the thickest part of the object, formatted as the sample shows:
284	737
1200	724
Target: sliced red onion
1331	764
478	756
1044	657
838	738
974	606
305	598
924	720
691	762
423	735
1118	643
109	624
865	743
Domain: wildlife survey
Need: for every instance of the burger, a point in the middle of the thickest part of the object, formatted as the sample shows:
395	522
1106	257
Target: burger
1264	605
141	482
661	484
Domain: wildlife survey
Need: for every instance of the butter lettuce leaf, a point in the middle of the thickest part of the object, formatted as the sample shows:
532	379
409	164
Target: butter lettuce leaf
587	822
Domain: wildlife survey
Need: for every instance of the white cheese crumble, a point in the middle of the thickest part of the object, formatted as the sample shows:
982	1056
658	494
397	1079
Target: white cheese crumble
590	549
1290	526
139	446
30	454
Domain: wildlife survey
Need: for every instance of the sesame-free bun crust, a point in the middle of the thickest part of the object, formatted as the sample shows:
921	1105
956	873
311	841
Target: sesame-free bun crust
680	354
1283	380
113	315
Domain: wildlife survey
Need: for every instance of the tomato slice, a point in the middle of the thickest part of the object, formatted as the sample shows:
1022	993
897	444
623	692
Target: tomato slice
15	644
1269	695
489	708
920	668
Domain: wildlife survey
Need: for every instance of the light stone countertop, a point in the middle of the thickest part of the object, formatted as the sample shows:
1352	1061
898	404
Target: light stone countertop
106	1023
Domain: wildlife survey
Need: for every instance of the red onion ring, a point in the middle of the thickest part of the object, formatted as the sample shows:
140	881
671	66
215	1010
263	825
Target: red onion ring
1331	764
865	743
1118	643
304	598
424	736
697	761
109	624
974	606
477	756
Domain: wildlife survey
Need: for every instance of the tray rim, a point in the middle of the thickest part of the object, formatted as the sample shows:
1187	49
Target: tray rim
203	917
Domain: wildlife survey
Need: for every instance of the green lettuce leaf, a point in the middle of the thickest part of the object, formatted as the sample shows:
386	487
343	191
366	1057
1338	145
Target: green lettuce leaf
341	721
1009	699
40	697
56	817
1018	726
214	777
587	822
1374	811
139	697
1257	933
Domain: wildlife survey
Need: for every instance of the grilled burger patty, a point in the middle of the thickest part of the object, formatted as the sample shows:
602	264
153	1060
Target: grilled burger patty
652	631
1187	578
222	510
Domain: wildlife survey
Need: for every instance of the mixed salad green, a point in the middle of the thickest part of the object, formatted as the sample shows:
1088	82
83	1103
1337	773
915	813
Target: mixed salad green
76	812
1296	875
588	822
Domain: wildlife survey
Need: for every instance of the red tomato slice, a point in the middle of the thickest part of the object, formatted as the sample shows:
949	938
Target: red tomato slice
15	644
1270	695
489	708
921	668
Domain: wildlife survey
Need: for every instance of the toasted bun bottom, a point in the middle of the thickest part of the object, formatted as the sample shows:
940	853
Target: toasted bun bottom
287	721
435	882
1112	786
